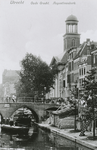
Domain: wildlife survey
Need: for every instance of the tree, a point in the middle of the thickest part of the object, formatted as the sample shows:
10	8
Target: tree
74	102
36	77
19	89
90	90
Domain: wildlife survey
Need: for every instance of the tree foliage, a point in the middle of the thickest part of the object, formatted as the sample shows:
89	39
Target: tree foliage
36	77
90	89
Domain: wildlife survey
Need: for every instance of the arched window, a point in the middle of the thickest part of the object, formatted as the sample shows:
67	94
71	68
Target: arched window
73	42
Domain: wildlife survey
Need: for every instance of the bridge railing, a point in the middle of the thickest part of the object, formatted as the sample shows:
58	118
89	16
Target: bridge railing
20	99
25	100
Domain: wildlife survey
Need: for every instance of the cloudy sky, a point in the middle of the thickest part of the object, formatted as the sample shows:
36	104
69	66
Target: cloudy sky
38	28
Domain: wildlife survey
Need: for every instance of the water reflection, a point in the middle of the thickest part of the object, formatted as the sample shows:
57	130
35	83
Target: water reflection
39	140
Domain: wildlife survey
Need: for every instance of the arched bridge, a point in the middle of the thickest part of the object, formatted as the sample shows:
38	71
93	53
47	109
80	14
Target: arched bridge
37	108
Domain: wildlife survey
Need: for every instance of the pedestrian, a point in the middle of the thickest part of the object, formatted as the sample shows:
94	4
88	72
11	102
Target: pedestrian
7	99
14	98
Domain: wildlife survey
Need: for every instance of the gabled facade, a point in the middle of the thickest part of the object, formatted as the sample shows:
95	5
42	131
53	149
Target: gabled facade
94	56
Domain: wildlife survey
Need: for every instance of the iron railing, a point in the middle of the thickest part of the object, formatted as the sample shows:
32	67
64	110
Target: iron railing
18	99
25	100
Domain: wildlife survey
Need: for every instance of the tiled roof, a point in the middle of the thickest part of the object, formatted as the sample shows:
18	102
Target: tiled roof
80	49
57	58
95	43
65	58
60	56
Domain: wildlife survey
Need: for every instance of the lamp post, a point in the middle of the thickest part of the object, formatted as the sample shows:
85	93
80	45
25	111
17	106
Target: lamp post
60	87
75	116
93	106
44	94
76	96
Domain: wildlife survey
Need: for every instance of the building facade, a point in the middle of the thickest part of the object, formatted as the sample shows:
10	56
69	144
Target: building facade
74	62
9	78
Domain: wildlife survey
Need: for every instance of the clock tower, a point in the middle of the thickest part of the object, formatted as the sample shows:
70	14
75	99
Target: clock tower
71	38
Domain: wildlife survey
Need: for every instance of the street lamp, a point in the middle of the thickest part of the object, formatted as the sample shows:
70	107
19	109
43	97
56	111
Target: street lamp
44	93
75	96
60	87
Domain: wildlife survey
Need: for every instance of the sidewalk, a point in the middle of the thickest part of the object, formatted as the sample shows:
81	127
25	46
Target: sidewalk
73	136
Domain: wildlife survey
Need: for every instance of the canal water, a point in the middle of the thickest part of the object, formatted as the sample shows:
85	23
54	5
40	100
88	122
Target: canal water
40	140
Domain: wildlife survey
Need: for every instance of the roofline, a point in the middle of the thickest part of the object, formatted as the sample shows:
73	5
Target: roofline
71	49
71	34
94	51
71	20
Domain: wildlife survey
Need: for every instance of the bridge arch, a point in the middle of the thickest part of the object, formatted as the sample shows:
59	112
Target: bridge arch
1	117
37	109
29	108
24	106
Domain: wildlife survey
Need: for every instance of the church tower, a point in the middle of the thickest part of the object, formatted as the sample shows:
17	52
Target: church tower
71	38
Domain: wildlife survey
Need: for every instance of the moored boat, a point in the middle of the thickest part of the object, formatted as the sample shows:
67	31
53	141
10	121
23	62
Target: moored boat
14	129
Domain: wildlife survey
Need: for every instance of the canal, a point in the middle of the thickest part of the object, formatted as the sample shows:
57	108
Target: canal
40	140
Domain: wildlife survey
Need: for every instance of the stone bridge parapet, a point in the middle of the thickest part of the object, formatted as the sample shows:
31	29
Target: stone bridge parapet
38	109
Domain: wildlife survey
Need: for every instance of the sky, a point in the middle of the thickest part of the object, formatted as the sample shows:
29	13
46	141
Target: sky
38	26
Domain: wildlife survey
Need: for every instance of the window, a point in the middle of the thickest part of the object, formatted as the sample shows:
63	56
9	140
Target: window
72	55
72	77
63	83
69	66
72	66
84	70
73	42
68	78
79	71
80	81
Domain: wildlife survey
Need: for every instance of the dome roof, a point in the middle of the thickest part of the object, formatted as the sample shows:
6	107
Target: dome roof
71	18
